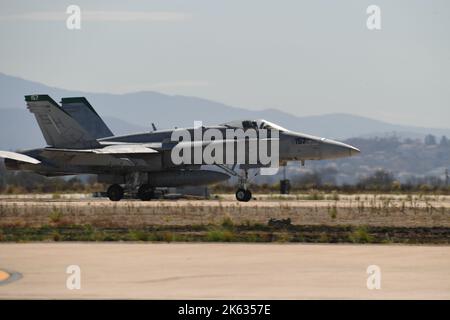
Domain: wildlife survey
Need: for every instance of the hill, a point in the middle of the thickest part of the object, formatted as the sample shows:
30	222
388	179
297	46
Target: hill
131	112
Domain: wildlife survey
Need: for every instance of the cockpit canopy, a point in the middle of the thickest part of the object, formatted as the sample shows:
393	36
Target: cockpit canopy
254	124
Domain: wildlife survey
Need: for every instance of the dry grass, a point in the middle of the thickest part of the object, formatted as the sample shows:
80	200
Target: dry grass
332	210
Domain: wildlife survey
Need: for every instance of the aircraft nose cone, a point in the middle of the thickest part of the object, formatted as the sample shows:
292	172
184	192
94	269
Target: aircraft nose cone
333	149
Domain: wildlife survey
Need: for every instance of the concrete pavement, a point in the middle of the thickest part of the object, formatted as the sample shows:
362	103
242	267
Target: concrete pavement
225	271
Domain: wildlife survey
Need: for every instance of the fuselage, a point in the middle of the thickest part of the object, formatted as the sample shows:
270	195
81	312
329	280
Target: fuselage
292	146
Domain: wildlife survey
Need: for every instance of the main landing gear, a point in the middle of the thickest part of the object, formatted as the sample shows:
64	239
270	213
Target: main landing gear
115	192
145	192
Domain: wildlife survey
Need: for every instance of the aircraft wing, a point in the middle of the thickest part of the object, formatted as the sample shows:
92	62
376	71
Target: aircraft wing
18	157
113	149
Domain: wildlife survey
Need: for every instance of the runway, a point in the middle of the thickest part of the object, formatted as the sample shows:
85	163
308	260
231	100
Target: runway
225	271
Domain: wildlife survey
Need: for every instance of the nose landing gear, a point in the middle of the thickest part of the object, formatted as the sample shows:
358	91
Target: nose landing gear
243	195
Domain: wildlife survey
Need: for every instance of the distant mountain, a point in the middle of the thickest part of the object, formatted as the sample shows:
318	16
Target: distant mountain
126	113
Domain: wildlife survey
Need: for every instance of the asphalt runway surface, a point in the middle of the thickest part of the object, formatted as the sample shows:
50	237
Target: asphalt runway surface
223	271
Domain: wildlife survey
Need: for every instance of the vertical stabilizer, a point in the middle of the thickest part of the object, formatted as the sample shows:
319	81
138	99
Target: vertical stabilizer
81	110
60	130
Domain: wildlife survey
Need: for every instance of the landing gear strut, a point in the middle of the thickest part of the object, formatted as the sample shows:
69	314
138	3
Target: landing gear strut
115	192
145	192
243	194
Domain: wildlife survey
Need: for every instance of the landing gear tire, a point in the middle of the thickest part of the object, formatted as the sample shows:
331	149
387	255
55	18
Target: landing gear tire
248	195
243	195
115	192
145	193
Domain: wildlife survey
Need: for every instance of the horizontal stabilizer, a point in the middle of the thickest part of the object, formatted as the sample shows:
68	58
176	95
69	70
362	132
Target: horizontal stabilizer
18	157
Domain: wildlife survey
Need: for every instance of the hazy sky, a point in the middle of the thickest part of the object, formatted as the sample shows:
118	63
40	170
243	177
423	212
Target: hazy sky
303	57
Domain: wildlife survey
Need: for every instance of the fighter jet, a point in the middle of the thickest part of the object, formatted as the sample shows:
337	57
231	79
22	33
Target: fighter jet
79	142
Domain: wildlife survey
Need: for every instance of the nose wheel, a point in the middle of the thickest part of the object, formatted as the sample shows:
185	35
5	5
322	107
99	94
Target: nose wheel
243	195
115	192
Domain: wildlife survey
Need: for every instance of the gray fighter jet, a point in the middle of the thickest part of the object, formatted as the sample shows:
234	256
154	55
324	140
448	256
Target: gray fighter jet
79	142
